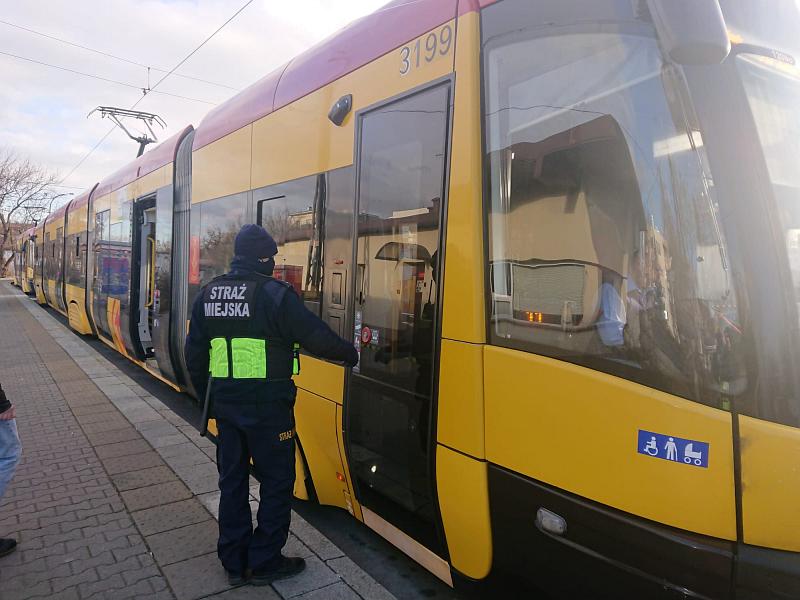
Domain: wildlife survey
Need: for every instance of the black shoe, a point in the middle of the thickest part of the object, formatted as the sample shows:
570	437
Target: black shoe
7	546
288	567
235	578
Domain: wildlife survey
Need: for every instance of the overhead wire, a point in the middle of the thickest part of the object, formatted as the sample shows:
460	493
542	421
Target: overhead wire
171	71
114	56
71	187
203	43
101	78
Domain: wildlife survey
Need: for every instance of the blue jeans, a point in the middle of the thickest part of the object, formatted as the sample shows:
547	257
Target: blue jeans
10	452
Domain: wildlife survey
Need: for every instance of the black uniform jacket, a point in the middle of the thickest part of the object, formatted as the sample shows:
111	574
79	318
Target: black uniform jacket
279	315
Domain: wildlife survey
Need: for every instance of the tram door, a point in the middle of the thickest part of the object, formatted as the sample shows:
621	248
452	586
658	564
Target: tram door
161	277
389	405
143	280
59	269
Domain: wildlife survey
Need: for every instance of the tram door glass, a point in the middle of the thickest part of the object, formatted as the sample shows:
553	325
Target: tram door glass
162	280
75	259
338	247
214	226
106	278
59	268
18	249
401	179
144	294
293	215
39	250
48	264
30	256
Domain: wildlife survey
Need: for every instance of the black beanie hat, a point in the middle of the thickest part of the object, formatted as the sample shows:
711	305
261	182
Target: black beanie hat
255	243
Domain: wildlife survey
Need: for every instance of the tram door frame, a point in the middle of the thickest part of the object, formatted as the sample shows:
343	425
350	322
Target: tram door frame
435	548
143	290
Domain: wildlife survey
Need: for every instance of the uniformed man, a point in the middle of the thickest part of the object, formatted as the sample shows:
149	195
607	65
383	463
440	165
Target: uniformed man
245	330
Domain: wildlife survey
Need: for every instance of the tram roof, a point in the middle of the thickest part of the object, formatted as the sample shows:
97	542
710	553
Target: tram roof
358	44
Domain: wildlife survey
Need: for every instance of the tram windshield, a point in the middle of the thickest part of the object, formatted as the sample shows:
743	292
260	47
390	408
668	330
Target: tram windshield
605	247
773	93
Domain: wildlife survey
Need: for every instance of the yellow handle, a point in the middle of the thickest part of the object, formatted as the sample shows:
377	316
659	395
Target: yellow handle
152	291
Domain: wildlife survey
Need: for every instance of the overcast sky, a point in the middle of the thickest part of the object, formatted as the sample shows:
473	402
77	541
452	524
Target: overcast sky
43	110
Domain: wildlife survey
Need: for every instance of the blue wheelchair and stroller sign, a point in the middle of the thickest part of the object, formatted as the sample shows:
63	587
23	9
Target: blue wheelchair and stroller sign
672	448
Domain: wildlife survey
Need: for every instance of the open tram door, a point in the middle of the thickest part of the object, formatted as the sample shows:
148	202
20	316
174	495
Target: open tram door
390	401
143	278
151	282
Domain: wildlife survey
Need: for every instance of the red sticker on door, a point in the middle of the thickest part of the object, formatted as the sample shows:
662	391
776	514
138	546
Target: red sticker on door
194	260
366	335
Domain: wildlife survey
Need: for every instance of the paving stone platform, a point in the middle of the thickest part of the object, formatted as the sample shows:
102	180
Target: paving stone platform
115	496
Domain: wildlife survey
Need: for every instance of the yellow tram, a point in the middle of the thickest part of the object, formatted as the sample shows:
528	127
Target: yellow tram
565	237
23	260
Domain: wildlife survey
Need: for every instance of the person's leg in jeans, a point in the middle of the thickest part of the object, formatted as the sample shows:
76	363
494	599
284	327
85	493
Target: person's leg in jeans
10	452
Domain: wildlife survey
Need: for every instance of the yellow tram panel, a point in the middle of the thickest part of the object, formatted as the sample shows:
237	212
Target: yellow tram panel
149	183
351	503
114	199
316	423
321	377
223	167
51	292
460	422
770	484
75	297
577	429
463	487
299	140
464	311
76	220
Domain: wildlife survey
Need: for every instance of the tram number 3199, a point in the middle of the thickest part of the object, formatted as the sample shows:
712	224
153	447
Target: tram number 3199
426	48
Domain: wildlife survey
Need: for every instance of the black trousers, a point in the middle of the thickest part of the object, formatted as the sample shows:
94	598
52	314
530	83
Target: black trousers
259	432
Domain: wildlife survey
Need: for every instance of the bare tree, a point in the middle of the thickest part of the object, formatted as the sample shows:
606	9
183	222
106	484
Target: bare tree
277	223
26	196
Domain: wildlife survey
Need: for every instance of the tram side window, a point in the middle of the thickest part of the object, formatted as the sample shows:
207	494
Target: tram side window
60	252
218	223
74	262
103	229
119	227
605	248
46	262
112	257
293	214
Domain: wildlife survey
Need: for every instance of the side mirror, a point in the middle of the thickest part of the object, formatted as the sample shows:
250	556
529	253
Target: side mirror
692	32
340	110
